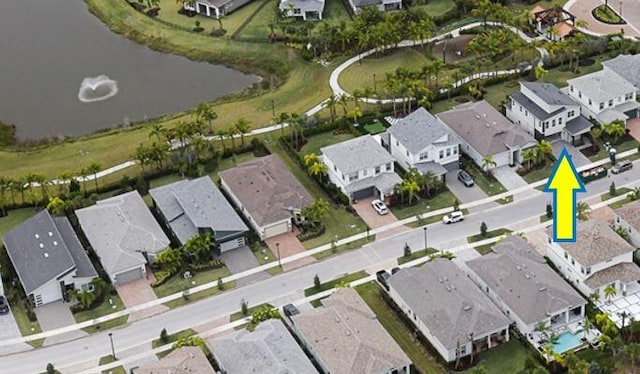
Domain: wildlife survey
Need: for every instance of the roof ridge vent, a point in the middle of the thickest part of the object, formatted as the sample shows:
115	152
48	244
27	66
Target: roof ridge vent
50	234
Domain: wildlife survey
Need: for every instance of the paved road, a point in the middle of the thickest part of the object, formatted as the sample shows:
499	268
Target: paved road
374	256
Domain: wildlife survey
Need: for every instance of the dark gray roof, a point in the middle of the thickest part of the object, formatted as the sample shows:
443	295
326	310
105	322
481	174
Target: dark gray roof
485	129
447	302
419	130
548	93
84	267
266	189
521	278
356	154
533	108
384	182
430	166
578	125
120	229
626	66
268	349
40	252
189	205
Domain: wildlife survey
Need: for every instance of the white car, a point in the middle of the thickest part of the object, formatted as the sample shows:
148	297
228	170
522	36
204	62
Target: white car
453	217
379	207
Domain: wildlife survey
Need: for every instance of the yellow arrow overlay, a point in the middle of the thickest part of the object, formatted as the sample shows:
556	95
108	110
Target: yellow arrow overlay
564	182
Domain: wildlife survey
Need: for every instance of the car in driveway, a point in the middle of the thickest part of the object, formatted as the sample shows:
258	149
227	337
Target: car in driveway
465	178
4	305
383	277
379	207
453	217
622	166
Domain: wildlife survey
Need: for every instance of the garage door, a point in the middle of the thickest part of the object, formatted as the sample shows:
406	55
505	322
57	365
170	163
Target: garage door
276	229
129	276
363	194
632	113
232	244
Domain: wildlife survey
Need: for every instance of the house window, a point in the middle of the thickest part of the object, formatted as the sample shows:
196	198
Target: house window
582	270
520	107
610	102
571	88
87	287
441	153
487	289
553	123
549	240
560	121
407	153
588	270
353	177
389	167
397	143
377	171
590	102
335	168
364	173
579	94
546	125
566	256
455	150
601	106
296	11
463	350
424	155
573	262
343	178
571	113
526	113
628	96
448	152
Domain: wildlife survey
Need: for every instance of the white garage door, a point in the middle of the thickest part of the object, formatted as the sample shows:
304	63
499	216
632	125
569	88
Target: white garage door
276	229
232	244
129	276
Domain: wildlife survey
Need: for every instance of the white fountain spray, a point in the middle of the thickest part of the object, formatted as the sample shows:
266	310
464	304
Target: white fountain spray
98	88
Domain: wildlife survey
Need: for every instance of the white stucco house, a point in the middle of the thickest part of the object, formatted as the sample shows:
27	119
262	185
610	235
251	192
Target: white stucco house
382	5
627	218
303	9
484	132
545	112
421	141
361	168
600	257
214	8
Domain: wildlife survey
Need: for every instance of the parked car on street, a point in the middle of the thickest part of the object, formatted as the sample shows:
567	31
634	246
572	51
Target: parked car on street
379	207
453	217
383	277
4	305
622	166
465	178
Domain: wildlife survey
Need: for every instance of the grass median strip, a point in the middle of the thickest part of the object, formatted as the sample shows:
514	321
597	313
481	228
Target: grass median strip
416	255
488	235
172	338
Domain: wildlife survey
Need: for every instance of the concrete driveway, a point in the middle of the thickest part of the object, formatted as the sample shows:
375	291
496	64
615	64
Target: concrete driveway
375	220
9	329
139	292
510	179
55	315
576	156
467	194
241	259
289	246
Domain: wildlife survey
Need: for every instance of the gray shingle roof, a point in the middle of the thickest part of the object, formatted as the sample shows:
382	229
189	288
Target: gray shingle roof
447	302
384	182
532	107
42	248
419	130
596	243
192	204
485	129
430	166
184	360
268	349
549	93
601	86
347	336
626	66
522	279
625	272
357	154
304	5
120	229
630	213
578	125
266	189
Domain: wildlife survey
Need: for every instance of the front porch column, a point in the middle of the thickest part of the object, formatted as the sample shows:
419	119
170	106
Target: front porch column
582	311
566	316
489	341
507	330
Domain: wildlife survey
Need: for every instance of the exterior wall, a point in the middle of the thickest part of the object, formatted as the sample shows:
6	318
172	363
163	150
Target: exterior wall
407	159
79	282
51	291
342	180
301	13
594	106
634	235
551	126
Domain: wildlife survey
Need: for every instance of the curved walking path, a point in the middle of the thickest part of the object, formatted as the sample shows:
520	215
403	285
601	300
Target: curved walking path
339	91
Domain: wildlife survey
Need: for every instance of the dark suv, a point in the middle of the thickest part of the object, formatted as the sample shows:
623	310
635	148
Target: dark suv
4	305
383	277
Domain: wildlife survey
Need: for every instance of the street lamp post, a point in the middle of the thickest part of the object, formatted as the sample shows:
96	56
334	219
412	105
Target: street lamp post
278	251
113	351
374	80
425	237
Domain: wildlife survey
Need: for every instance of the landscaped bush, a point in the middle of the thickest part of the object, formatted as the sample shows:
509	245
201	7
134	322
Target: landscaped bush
161	277
213	264
217	32
605	14
311	233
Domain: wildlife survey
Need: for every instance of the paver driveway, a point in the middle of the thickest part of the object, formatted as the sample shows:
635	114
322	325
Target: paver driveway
634	127
139	292
289	246
375	220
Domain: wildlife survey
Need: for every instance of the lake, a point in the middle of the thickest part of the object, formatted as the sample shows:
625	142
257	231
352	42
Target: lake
64	73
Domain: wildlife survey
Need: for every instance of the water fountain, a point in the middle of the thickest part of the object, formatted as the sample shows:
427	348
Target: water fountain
98	88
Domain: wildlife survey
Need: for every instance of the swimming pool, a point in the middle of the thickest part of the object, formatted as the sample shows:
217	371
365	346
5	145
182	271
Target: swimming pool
566	342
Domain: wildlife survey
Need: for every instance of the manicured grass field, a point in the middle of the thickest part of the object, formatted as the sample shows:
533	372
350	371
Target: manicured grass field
375	128
107	360
437	8
178	284
258	27
334	282
506	358
172	337
401	333
26	327
619	191
539	174
443	199
626	144
314	143
238	315
489	235
104	309
416	255
343	248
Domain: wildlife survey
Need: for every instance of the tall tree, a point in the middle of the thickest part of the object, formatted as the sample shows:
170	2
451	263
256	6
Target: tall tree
94	168
243	127
205	113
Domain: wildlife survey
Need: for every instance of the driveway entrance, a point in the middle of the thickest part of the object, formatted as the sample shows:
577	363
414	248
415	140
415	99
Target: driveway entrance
289	245
240	259
634	128
375	220
139	292
511	180
467	194
55	315
576	156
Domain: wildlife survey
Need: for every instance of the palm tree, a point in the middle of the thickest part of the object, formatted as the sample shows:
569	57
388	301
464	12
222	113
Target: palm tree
310	159
609	292
142	155
634	194
331	104
615	130
243	127
94	168
624	315
543	151
583	210
63	181
595	297
204	113
410	187
529	155
343	100
632	351
171	260
487	163
587	326
316	211
318	169
158	131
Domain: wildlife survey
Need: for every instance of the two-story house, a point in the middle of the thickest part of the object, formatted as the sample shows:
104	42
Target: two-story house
302	9
627	219
600	257
626	66
382	5
604	96
361	168
543	111
421	141
214	8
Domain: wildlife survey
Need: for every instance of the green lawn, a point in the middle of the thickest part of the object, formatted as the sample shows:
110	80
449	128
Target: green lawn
488	184
544	218
443	199
26	327
258	27
506	358
344	248
264	255
490	234
107	360
199	295
231	162
415	255
164	180
401	333
104	309
626	144
332	283
619	204
484	249
560	75
14	218
619	191
496	94
172	337
178	284
437	8
334	12
375	128
314	143
539	174
238	315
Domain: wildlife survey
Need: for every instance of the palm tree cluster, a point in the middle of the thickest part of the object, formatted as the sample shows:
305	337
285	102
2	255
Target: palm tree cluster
414	184
315	167
196	250
94	295
315	212
538	156
494	44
